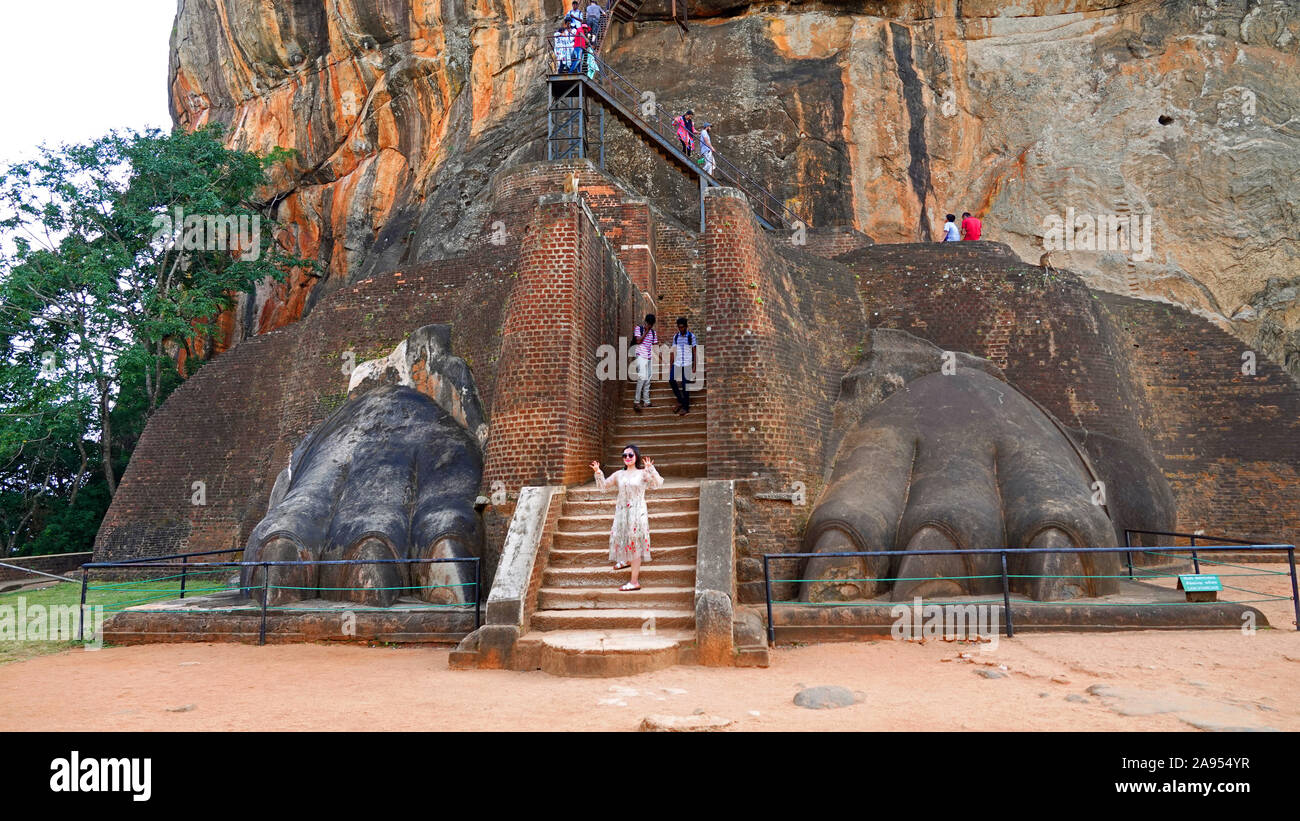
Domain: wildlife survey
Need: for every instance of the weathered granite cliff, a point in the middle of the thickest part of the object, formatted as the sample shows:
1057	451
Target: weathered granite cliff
881	114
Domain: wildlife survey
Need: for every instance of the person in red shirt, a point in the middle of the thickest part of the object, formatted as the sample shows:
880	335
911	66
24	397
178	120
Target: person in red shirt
580	48
970	227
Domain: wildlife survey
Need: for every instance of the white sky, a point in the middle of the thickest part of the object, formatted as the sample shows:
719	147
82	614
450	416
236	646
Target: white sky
74	69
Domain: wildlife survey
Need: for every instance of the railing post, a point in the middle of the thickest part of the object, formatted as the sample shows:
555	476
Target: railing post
703	185
1295	595
266	578
1006	596
81	624
767	586
478	593
1196	562
184	569
1128	553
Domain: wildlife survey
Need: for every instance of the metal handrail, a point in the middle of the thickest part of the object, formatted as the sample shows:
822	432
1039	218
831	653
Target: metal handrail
1004	552
186	567
771	210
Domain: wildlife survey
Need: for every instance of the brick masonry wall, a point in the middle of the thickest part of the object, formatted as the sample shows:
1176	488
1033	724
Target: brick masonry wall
1229	442
234	424
782	328
553	414
832	242
681	282
1047	336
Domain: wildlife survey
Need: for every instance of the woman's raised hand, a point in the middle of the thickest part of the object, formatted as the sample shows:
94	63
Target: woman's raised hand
595	467
649	463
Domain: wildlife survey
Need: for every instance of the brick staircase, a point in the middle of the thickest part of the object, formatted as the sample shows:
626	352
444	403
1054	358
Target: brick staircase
584	625
676	443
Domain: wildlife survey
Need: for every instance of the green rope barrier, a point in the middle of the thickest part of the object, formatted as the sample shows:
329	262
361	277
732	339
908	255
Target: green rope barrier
137	581
1020	603
895	579
408	607
125	604
886	604
408	587
1257	593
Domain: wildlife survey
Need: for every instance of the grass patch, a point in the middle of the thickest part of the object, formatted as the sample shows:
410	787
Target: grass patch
111	595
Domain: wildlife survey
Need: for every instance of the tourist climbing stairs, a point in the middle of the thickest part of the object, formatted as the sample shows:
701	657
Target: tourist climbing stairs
594	80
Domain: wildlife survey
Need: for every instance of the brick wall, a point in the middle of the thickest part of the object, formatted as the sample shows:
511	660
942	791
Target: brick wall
553	412
1048	336
1229	442
782	328
834	241
234	424
681	281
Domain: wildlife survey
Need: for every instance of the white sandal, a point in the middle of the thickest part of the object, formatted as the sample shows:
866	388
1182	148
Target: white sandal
622	565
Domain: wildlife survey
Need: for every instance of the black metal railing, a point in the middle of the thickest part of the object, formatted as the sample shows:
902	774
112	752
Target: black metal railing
1006	577
642	107
1206	540
187	567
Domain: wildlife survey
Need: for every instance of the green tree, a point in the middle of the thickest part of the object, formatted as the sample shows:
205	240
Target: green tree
115	255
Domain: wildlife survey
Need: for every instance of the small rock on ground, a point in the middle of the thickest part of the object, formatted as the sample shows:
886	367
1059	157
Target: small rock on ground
992	673
826	697
183	709
684	724
1076	698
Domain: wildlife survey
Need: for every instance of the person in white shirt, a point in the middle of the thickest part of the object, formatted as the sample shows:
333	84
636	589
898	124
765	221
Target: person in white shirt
950	232
706	149
682	372
563	48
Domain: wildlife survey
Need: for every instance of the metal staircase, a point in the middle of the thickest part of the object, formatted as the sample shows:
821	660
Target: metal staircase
569	127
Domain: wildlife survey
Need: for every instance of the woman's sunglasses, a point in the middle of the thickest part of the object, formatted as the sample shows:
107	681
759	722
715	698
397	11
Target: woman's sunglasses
629	456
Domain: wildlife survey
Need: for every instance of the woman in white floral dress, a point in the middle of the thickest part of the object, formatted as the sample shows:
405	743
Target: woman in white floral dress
629	540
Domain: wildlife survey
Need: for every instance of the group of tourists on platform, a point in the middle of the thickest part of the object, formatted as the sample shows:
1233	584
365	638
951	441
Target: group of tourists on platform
577	36
971	228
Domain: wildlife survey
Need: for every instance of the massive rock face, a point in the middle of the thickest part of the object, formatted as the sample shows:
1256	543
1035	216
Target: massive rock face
399	111
881	114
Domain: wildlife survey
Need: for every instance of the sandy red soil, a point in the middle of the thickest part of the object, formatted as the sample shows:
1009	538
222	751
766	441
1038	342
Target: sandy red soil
1150	680
1220	676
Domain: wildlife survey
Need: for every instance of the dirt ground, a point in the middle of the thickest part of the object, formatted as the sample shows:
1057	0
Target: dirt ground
1149	681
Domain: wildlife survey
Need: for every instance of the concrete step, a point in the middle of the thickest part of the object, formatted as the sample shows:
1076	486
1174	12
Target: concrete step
652	575
673	457
672	489
659	520
662	410
665	433
654	503
670	537
606	652
620	619
684	468
684	465
591	598
661	450
598	556
665	394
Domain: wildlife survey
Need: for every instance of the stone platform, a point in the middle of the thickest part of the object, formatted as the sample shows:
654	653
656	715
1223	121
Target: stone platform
1129	609
226	617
